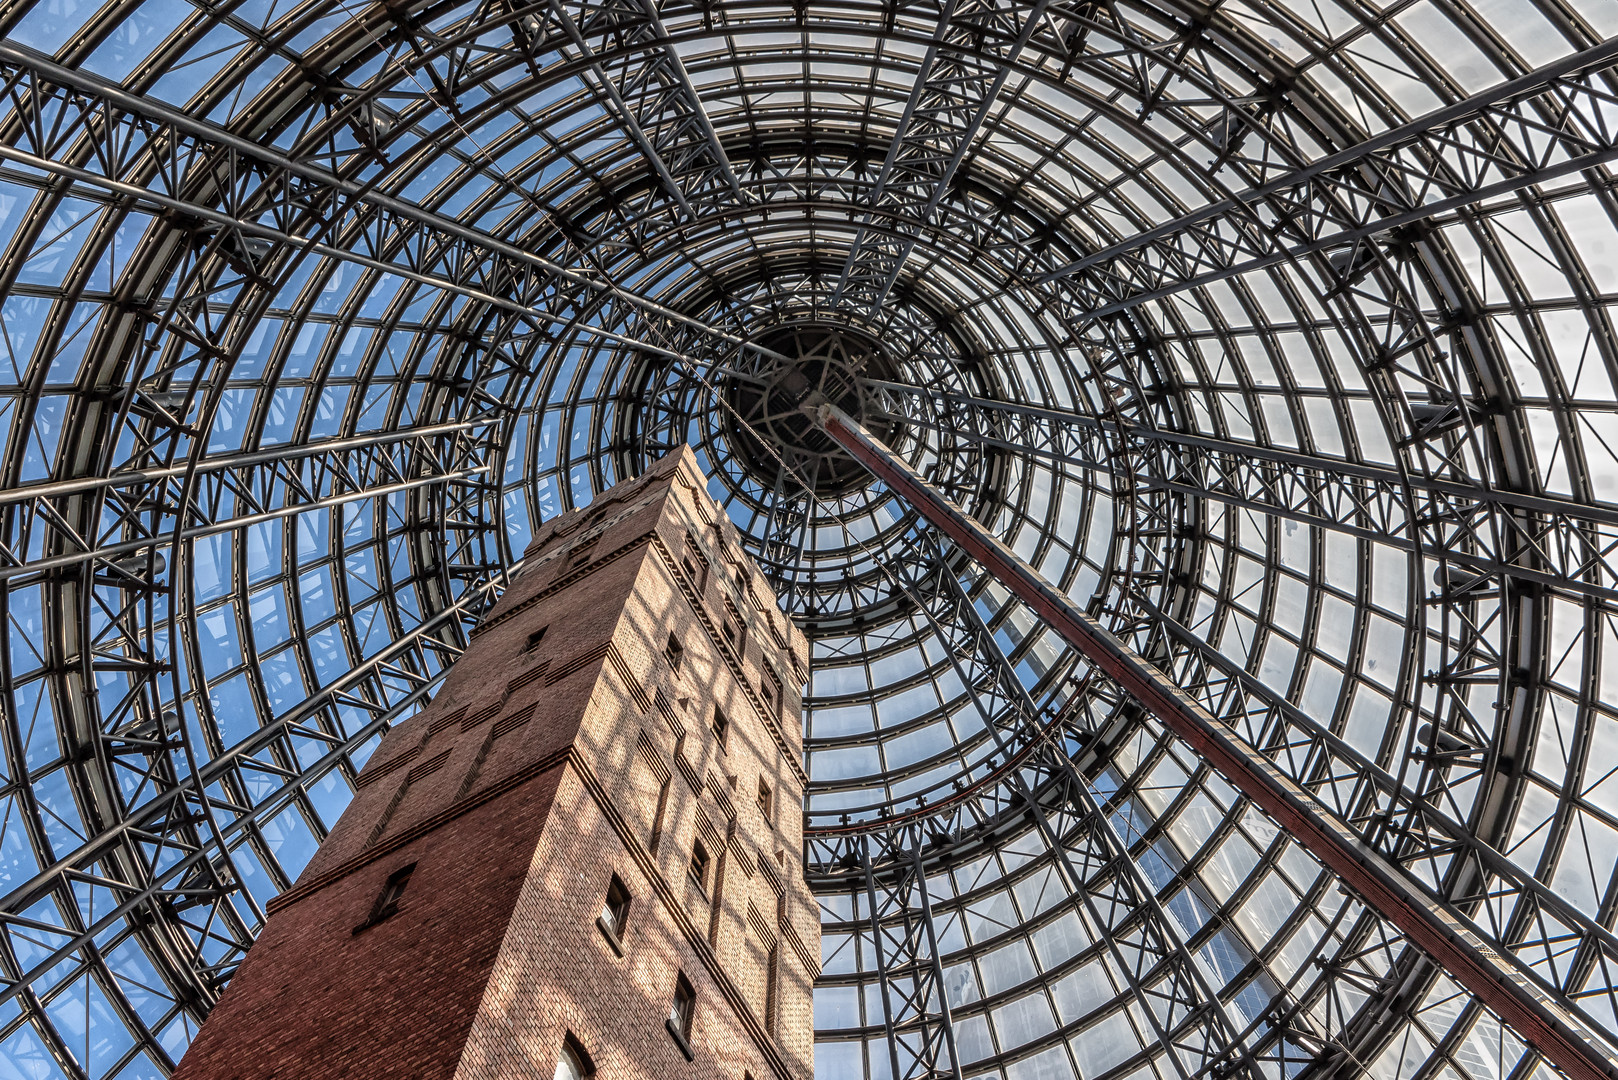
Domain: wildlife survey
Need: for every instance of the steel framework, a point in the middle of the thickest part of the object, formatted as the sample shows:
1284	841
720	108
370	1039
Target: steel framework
1278	337
1487	533
1476	958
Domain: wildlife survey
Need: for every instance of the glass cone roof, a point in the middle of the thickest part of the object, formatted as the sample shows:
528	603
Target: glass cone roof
312	310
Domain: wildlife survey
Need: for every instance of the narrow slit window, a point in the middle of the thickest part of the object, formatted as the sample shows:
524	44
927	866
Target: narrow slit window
535	638
721	728
766	802
674	653
695	566
698	868
732	625
614	917
681	1013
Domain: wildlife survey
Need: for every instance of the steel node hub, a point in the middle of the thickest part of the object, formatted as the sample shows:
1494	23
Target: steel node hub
765	419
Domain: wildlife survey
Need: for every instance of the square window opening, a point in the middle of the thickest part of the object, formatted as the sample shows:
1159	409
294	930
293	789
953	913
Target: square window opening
387	901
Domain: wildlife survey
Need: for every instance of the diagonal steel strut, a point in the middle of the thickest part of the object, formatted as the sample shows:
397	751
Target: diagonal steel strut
1543	1022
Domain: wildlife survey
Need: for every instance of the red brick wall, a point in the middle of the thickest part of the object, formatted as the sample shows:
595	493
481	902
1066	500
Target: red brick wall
557	973
315	999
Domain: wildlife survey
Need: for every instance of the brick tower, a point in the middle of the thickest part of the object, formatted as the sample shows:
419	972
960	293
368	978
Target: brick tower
586	846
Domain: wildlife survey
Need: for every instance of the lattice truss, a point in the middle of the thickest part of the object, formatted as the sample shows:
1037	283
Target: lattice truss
1278	334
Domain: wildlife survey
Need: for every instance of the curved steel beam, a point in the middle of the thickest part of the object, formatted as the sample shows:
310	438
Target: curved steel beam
1549	123
1568	546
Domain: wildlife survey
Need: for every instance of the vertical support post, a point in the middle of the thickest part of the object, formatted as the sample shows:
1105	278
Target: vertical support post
910	972
1513	994
935	963
873	912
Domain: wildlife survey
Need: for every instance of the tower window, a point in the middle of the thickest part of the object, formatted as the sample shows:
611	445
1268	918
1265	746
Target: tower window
387	901
575	1063
696	567
721	728
674	653
699	867
535	638
766	801
732	625
769	686
614	917
681	1012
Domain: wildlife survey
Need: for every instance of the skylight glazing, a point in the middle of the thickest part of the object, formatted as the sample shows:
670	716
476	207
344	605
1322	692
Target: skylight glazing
1320	298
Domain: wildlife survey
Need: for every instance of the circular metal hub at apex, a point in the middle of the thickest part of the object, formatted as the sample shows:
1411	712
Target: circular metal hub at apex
819	527
767	421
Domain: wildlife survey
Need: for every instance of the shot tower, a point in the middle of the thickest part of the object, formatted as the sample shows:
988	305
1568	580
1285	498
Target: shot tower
584	854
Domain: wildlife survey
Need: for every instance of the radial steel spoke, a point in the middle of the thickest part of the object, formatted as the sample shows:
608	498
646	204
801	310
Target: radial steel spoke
953	95
381	227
